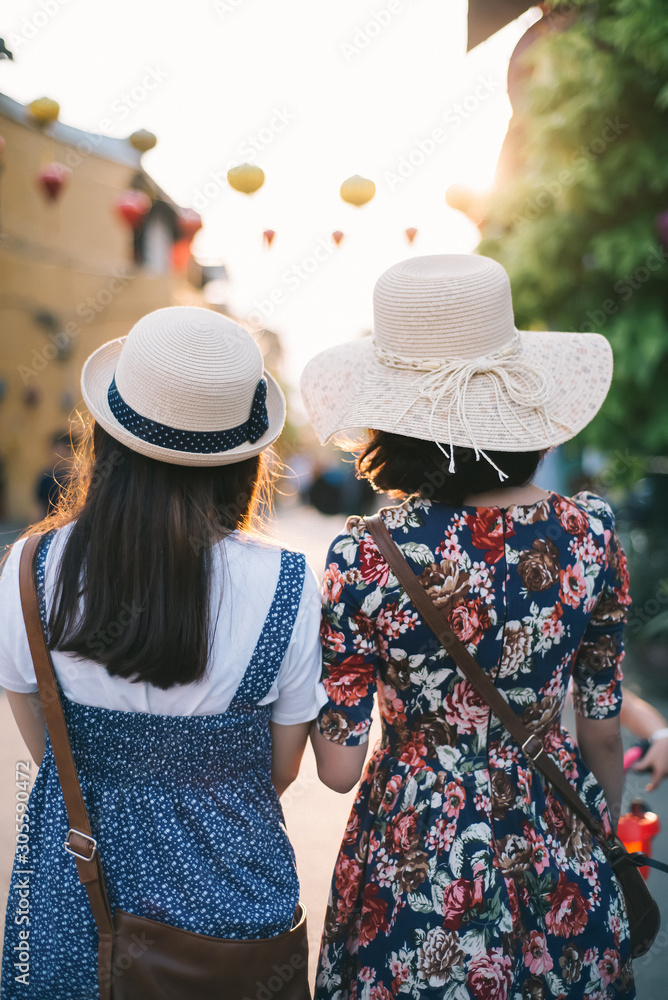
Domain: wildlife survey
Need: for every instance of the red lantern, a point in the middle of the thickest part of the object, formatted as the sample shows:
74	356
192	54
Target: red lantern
52	177
268	237
411	233
132	206
337	236
190	223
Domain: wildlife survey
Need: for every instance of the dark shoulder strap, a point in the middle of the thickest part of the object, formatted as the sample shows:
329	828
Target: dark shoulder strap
80	841
531	743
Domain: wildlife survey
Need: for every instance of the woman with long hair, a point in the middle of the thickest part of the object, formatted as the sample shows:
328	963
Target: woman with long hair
462	873
186	653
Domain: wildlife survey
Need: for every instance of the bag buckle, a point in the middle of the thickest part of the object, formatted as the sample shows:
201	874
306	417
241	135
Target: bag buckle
533	748
92	844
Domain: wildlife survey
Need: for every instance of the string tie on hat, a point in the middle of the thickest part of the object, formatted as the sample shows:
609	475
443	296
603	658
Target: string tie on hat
514	376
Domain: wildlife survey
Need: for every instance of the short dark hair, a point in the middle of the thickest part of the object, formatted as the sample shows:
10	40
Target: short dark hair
402	466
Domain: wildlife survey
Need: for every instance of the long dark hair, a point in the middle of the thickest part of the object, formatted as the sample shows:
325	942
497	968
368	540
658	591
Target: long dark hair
133	585
402	466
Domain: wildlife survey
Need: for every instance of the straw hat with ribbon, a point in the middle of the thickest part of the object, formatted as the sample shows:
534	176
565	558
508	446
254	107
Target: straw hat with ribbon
446	363
186	386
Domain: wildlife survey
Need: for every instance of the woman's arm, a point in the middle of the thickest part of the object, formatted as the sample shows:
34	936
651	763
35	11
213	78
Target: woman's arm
600	742
29	717
287	750
339	767
644	720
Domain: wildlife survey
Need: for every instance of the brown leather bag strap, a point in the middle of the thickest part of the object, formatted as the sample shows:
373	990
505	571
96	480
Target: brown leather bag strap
80	841
531	743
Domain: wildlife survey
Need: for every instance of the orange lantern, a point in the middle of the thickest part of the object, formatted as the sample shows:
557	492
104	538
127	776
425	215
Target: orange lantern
268	237
52	177
337	236
411	233
132	206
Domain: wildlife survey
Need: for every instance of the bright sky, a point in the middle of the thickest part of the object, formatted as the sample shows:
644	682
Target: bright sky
325	89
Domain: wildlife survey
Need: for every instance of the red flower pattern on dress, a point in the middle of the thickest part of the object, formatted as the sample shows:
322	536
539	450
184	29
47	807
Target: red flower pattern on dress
349	681
470	620
424	811
333	583
373	567
465	708
490	976
573	585
487	532
572	518
459	898
568	911
374	915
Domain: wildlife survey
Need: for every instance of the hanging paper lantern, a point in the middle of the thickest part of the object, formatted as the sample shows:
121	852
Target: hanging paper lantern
143	140
52	177
337	236
661	224
245	178
190	223
411	233
268	237
358	190
44	110
132	206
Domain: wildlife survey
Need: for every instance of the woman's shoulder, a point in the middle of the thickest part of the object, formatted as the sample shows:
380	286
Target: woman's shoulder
598	511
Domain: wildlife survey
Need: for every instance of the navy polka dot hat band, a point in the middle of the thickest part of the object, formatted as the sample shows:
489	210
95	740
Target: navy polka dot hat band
186	386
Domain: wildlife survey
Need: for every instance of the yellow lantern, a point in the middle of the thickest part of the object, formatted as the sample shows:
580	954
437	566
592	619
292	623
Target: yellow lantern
44	110
143	140
245	178
358	190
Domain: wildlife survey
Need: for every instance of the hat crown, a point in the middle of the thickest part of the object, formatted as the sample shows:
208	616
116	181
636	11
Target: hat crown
189	368
443	306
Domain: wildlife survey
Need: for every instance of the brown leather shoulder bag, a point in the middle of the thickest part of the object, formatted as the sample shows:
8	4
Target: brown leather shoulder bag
642	910
139	958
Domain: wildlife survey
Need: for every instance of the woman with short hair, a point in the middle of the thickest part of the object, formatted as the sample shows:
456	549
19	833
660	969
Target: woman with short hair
462	873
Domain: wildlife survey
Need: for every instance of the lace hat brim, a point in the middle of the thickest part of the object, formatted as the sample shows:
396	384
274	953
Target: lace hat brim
348	387
96	379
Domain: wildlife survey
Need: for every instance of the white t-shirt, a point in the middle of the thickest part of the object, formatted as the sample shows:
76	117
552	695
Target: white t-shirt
247	570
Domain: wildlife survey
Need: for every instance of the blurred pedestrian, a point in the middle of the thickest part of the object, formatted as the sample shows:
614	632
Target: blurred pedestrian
186	650
462	872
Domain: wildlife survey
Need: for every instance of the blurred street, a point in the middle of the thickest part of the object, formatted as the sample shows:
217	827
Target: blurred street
316	816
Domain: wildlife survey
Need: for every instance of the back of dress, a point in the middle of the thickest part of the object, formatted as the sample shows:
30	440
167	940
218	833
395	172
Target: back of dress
460	868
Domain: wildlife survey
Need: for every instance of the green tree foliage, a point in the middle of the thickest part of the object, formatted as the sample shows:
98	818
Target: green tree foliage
582	179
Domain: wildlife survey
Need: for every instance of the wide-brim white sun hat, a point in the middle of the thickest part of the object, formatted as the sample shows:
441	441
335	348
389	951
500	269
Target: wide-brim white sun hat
186	386
446	363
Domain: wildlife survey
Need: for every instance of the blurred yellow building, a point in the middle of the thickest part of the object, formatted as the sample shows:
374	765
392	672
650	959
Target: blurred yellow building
73	275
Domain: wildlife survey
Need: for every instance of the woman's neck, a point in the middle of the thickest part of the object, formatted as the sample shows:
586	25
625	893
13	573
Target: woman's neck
509	497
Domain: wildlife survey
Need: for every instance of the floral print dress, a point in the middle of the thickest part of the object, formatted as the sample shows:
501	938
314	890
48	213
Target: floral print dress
461	873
